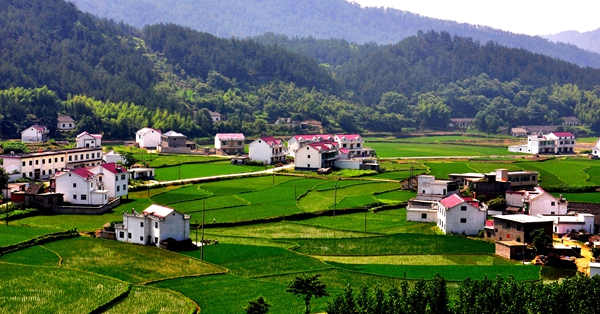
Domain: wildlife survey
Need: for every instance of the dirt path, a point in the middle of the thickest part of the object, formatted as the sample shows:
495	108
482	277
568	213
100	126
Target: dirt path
582	263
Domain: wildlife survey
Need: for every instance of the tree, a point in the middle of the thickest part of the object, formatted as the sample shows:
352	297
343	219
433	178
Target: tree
4	177
130	160
258	306
497	204
541	241
308	286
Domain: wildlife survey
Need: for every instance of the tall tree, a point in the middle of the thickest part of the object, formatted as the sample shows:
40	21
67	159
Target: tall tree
308	287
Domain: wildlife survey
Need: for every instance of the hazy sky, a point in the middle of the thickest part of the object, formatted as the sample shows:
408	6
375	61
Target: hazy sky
531	17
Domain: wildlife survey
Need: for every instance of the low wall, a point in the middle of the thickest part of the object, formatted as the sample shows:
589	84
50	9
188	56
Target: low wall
87	210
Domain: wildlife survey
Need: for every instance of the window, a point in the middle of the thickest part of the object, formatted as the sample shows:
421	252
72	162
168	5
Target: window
122	177
239	142
508	235
129	235
156	224
124	187
74	196
63	159
308	156
423	216
55	159
552	203
463	220
118	188
81	156
37	162
308	166
76	158
50	171
357	145
49	160
83	197
87	156
43	172
121	234
518	227
344	145
30	174
74	185
30	163
116	178
155	239
141	224
463	208
23	164
43	162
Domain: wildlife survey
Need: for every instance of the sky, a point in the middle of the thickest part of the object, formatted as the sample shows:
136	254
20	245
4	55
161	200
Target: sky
530	17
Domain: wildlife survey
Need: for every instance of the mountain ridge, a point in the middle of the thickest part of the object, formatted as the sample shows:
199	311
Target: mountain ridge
585	40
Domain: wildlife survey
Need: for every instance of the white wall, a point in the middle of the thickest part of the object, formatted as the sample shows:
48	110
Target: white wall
542	204
302	159
149	139
449	221
260	150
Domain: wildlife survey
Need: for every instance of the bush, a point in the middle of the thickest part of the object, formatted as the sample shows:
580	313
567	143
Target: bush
16	147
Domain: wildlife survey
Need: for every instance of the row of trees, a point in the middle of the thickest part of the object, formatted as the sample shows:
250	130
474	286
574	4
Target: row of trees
577	294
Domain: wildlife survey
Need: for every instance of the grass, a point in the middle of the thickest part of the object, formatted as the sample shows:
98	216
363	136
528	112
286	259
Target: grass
187	171
35	255
424	260
283	230
391	149
589	197
31	289
128	262
152	300
185	193
395	244
15	234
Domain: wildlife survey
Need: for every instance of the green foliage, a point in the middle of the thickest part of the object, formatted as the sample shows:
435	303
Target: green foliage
308	287
16	147
541	241
497	204
258	306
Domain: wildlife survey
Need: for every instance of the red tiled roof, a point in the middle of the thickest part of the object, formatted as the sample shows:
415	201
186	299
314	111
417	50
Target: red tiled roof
82	172
324	145
112	167
313	137
452	201
349	137
271	140
158	211
230	136
489	223
96	136
563	134
344	150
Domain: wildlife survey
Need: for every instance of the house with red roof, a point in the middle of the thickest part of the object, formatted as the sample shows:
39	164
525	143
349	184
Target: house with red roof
153	225
268	150
354	145
85	139
35	134
314	155
298	140
460	215
112	177
80	186
230	143
551	143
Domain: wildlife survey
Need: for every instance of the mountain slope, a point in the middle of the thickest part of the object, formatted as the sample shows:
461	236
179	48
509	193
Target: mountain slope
587	40
319	18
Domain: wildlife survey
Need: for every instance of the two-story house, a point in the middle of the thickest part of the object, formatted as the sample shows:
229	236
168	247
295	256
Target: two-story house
173	142
354	144
537	202
430	190
65	123
79	186
148	138
516	227
85	139
296	141
458	215
552	143
565	142
35	134
113	178
230	143
268	150
155	224
314	155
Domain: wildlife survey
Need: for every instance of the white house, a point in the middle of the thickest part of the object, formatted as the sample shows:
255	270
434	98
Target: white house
537	202
596	149
215	116
141	173
268	149
564	224
354	143
155	224
298	140
422	208
458	215
111	156
230	143
113	178
148	138
565	142
65	123
552	143
312	156
86	139
79	186
34	134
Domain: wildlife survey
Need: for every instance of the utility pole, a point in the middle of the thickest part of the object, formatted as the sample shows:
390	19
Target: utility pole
202	247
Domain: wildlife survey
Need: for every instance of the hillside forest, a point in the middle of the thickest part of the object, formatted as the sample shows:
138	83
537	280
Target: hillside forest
114	79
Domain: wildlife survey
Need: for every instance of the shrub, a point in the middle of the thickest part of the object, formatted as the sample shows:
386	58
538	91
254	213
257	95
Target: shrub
16	147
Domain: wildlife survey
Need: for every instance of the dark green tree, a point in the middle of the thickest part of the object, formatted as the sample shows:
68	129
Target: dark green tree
258	306
540	241
308	287
130	159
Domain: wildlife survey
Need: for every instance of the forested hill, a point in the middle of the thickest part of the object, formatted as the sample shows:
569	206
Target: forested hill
586	40
337	19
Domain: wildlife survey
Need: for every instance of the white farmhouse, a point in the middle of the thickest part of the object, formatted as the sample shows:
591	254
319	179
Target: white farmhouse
112	156
551	143
537	202
354	143
79	186
564	224
298	140
312	156
422	208
34	134
148	138
86	139
230	143
458	215
113	178
268	149
155	224
65	123
596	149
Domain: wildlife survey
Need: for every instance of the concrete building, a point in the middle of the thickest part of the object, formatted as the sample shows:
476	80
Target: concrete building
80	186
517	227
113	178
552	143
537	202
230	143
148	138
65	123
86	139
596	149
354	143
35	134
563	224
155	224
298	140
112	156
458	215
314	155
268	150
173	142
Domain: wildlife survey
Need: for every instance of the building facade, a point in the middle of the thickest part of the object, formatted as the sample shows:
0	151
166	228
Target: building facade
65	123
86	139
173	142
312	156
148	138
268	150
80	186
35	134
155	224
458	215
230	143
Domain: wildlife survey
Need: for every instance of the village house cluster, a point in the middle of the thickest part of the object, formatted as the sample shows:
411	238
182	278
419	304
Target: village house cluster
551	143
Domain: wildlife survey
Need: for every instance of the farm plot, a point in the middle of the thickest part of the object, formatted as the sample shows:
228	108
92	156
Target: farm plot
283	230
319	200
152	300
35	255
160	160
56	290
391	149
129	262
16	234
395	244
188	171
186	193
395	196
